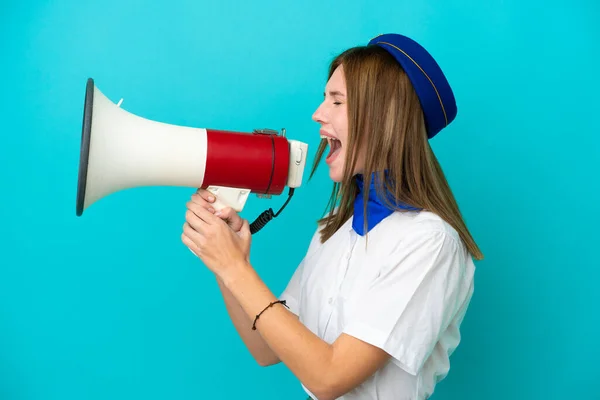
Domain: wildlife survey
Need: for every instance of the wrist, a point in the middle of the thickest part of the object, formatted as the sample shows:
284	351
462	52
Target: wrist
248	288
234	273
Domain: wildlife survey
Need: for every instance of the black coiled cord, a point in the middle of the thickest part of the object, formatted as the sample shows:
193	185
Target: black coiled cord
266	216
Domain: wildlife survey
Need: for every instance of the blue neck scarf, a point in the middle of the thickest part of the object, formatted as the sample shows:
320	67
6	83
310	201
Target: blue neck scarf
376	208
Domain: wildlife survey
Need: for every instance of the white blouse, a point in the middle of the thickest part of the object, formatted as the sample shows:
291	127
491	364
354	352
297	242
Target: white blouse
405	288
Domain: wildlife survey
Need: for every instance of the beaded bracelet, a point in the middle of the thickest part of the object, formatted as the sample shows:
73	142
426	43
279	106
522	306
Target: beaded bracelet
270	305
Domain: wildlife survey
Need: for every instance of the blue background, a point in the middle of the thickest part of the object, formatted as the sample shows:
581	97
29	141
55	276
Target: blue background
112	305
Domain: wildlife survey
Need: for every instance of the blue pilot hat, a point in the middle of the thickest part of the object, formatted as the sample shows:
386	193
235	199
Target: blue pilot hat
432	87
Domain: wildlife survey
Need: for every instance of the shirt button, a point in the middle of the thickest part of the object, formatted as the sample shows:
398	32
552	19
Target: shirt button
330	300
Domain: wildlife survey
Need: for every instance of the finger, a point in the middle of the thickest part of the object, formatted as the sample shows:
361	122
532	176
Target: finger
190	244
245	230
205	215
206	195
195	222
246	237
201	201
193	236
232	217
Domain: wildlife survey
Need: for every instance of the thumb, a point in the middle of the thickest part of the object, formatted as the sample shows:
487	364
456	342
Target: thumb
229	215
245	230
246	238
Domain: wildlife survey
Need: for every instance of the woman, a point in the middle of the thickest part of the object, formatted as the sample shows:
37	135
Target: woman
373	310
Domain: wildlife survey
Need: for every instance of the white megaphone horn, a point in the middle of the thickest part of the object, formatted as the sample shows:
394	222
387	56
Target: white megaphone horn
120	150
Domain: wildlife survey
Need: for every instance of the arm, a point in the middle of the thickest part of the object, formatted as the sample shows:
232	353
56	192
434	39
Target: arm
431	272
252	339
328	371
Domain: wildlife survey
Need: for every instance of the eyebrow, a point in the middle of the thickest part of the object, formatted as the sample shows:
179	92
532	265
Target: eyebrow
335	93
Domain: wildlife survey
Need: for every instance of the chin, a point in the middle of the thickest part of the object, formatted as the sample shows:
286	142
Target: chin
335	175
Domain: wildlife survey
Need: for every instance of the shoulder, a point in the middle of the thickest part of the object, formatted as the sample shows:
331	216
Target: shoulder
406	225
413	223
418	235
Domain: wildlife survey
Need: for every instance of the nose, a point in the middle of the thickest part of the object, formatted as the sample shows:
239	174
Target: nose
319	115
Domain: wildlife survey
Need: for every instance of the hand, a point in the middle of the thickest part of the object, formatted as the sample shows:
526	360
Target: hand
228	214
213	240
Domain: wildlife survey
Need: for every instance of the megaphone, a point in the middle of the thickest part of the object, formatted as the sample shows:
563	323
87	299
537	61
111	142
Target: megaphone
120	150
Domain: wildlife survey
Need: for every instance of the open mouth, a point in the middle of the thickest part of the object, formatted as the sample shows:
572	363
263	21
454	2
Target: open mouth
334	146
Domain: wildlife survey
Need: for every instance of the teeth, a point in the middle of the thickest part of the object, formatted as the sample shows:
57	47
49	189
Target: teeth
329	138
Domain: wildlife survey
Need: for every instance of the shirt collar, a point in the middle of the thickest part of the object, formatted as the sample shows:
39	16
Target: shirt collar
377	210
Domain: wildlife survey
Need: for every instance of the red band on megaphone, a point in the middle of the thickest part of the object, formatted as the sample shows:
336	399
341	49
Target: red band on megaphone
255	161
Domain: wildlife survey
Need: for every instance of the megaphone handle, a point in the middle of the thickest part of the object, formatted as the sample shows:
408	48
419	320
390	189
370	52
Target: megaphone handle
236	198
229	197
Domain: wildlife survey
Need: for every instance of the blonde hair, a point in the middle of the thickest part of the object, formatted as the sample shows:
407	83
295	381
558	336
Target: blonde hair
386	120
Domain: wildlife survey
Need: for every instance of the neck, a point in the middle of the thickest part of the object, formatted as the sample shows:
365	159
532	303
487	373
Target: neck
377	208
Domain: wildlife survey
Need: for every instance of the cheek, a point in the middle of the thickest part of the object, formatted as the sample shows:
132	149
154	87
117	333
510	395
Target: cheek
341	125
